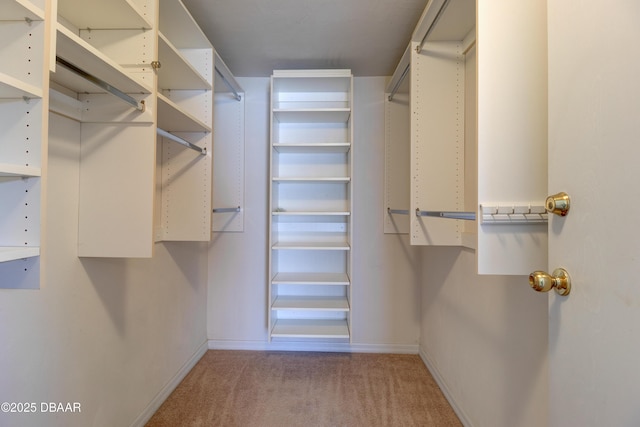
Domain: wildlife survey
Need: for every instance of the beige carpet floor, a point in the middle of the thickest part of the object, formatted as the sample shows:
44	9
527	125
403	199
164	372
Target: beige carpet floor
273	389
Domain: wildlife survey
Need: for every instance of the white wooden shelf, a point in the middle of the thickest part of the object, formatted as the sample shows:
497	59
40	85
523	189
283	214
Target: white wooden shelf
327	246
175	71
339	147
337	279
8	170
16	253
338	179
311	303
19	10
310	328
179	26
173	118
311	213
102	14
75	50
10	87
312	115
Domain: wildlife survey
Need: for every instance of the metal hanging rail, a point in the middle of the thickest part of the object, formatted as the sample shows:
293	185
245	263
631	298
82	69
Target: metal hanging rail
432	19
399	82
181	141
229	85
222	210
138	105
400	73
398	211
468	216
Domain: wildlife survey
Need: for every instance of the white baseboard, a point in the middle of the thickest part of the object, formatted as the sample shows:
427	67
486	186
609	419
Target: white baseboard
157	401
313	346
445	390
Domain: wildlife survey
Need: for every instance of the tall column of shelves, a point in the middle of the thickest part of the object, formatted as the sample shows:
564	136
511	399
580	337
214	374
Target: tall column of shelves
310	205
23	140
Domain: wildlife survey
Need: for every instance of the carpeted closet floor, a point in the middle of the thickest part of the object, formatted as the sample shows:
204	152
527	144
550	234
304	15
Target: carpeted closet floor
252	388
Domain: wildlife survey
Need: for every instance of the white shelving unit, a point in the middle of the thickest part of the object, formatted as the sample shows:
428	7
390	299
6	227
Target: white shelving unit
310	204
23	140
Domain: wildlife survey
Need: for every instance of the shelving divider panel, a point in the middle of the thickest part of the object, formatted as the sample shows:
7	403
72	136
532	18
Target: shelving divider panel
103	14
175	71
16	253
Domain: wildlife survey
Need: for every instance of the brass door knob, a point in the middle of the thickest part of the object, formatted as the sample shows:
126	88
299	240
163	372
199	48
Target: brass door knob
543	282
558	204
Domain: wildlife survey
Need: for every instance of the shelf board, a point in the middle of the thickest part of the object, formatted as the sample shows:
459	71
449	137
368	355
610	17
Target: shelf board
179	26
311	303
338	279
312	115
14	253
9	170
10	88
175	71
310	328
102	14
328	246
173	118
337	179
18	10
341	147
311	213
73	49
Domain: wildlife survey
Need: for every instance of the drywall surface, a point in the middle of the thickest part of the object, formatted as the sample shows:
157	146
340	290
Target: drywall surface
385	270
105	334
485	337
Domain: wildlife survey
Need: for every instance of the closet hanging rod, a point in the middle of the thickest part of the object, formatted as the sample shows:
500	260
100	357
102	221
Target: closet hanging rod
222	210
469	216
138	105
181	141
229	85
434	21
399	82
398	211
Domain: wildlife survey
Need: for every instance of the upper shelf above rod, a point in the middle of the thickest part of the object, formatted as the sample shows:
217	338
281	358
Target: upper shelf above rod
138	105
468	216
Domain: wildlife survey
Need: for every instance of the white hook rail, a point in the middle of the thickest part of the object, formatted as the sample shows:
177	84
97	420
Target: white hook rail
513	213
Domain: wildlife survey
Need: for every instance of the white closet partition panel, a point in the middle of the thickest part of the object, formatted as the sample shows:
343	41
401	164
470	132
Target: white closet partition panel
512	130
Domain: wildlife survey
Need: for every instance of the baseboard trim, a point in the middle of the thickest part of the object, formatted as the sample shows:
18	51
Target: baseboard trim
443	386
313	346
162	395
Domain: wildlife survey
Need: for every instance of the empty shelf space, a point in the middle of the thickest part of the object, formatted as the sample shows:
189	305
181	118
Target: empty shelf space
10	87
8	170
312	115
103	14
341	147
175	71
15	253
19	10
179	26
338	279
327	246
308	328
311	303
78	52
173	118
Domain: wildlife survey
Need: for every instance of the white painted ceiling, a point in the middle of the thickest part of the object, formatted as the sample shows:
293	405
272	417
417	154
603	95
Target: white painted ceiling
254	37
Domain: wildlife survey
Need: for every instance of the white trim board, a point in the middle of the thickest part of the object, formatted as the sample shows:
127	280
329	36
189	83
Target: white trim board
445	390
163	394
313	346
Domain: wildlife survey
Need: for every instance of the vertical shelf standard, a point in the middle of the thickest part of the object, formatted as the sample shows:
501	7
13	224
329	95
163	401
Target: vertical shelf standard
310	205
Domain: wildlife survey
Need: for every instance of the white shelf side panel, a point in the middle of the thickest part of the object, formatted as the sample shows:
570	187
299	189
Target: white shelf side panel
22	273
117	187
228	162
186	189
437	141
512	131
20	134
20	212
22	42
397	145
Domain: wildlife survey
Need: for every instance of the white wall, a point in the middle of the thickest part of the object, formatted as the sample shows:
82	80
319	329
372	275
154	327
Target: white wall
386	289
485	337
110	334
